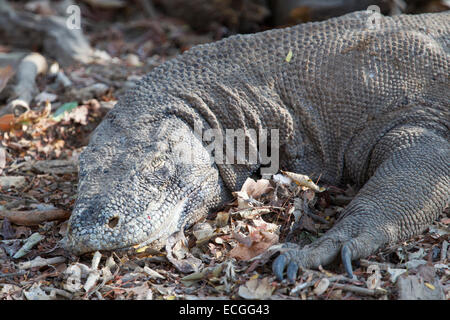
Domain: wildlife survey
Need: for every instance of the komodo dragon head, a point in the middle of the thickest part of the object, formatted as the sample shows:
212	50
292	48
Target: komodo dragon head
139	184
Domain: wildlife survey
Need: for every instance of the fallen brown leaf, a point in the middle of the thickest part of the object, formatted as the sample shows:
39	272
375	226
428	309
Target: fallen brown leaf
256	189
261	241
6	122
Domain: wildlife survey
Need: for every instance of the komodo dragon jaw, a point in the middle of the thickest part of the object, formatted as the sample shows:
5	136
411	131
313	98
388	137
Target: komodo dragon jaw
161	190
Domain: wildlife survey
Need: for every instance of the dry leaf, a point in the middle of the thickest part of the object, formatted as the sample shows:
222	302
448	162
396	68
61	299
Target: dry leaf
78	115
303	180
73	282
266	226
429	285
321	286
36	293
261	241
256	189
7	122
252	213
259	289
280	179
243	199
289	56
153	274
246	241
178	254
142	292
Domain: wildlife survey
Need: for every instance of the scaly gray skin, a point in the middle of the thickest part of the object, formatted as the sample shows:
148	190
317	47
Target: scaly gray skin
353	104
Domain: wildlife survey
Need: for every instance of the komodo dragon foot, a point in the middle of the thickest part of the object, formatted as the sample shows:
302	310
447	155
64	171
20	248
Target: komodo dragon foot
407	189
351	244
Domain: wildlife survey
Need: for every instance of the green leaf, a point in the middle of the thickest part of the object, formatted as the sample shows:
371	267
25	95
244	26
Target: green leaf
66	107
289	56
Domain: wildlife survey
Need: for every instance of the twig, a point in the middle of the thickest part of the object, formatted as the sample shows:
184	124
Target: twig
40	262
147	6
13	274
444	249
331	279
25	89
30	243
60	292
316	217
383	266
359	290
302	286
34	217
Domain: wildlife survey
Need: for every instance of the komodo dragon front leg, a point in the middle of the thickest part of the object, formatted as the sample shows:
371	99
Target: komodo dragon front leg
407	191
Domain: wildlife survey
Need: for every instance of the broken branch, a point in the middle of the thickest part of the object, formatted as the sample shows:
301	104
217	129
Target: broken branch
34	217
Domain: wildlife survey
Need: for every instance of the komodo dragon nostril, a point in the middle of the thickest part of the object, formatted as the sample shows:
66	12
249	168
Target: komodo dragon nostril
113	221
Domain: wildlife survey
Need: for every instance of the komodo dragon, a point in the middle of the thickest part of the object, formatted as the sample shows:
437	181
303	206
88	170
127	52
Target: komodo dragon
352	102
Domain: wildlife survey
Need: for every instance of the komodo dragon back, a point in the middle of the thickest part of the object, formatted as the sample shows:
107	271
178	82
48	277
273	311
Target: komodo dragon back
350	101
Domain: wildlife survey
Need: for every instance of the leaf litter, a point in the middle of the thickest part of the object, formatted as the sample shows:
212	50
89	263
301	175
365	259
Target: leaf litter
223	256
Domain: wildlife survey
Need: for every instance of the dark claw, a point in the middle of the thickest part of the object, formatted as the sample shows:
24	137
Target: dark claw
346	256
292	271
278	266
